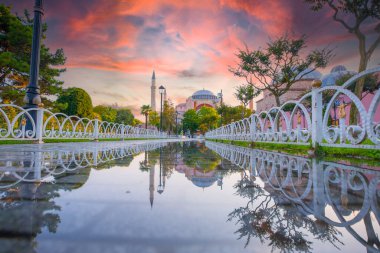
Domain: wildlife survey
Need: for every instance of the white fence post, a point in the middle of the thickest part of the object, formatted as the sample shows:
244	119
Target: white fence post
96	130
39	124
316	113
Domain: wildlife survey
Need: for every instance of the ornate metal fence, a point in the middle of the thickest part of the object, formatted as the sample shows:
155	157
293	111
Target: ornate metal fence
316	187
322	117
17	123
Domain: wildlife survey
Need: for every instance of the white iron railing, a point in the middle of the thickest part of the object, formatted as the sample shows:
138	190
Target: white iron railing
17	123
311	120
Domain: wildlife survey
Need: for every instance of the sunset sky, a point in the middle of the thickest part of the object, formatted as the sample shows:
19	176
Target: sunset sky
113	46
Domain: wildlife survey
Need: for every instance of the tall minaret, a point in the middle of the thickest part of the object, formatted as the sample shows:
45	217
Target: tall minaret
151	186
153	92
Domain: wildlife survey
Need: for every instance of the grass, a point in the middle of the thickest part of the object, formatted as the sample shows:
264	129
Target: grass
6	142
333	153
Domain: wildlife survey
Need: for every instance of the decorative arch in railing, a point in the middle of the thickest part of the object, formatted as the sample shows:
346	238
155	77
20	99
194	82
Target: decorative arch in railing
17	123
315	186
321	116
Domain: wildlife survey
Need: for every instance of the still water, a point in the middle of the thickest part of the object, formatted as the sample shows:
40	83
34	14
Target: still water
164	197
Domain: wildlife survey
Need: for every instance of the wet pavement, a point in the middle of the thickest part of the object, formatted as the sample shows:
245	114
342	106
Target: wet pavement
187	196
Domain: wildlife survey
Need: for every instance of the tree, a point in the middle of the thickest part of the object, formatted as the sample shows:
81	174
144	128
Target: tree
15	50
107	113
229	114
208	118
277	67
136	122
145	110
154	119
124	116
358	11
168	117
75	101
245	93
190	121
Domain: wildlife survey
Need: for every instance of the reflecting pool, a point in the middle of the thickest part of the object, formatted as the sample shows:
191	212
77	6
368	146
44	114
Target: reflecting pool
170	196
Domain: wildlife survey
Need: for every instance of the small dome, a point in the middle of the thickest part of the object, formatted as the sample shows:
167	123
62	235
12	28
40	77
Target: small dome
336	73
203	182
204	94
338	69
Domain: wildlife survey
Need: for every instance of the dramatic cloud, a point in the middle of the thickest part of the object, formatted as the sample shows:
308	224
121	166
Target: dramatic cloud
113	46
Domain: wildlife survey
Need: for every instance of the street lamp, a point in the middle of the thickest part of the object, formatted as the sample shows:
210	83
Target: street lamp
32	97
161	90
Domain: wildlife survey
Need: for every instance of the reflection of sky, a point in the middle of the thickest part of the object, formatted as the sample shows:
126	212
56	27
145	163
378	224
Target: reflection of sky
111	211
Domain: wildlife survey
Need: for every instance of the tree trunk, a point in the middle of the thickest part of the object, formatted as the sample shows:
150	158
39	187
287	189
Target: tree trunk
146	121
354	114
278	102
243	112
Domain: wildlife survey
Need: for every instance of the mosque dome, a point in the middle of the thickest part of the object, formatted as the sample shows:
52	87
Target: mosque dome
203	94
336	73
203	182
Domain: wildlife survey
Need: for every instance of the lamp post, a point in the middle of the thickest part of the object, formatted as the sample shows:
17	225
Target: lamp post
32	97
161	187
161	90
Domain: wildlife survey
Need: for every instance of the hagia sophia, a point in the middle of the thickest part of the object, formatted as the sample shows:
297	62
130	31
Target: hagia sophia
196	101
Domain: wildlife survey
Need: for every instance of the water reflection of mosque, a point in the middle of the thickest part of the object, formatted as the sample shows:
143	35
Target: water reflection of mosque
202	168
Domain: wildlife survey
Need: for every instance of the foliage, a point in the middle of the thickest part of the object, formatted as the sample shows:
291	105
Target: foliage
107	113
124	116
208	119
136	122
168	117
245	93
154	119
15	50
145	110
229	114
75	101
190	121
277	67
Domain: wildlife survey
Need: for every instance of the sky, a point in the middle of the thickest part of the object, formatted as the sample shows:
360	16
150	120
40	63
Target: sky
112	46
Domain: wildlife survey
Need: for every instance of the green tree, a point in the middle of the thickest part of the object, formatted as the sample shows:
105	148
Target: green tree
190	121
245	93
154	119
107	113
124	116
229	114
15	50
352	15
277	67
168	117
145	110
208	118
136	122
75	101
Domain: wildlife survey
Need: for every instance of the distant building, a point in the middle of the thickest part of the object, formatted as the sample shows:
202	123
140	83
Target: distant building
196	101
299	88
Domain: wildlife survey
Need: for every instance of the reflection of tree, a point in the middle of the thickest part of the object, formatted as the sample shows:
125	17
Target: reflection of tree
271	217
197	155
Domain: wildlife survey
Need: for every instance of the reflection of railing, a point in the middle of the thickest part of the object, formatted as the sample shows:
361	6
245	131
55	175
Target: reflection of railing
351	193
31	164
310	119
19	124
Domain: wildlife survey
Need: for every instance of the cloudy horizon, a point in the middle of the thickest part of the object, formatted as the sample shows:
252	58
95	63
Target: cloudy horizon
113	46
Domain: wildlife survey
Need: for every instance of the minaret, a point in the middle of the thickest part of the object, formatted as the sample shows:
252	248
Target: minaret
153	92
151	186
